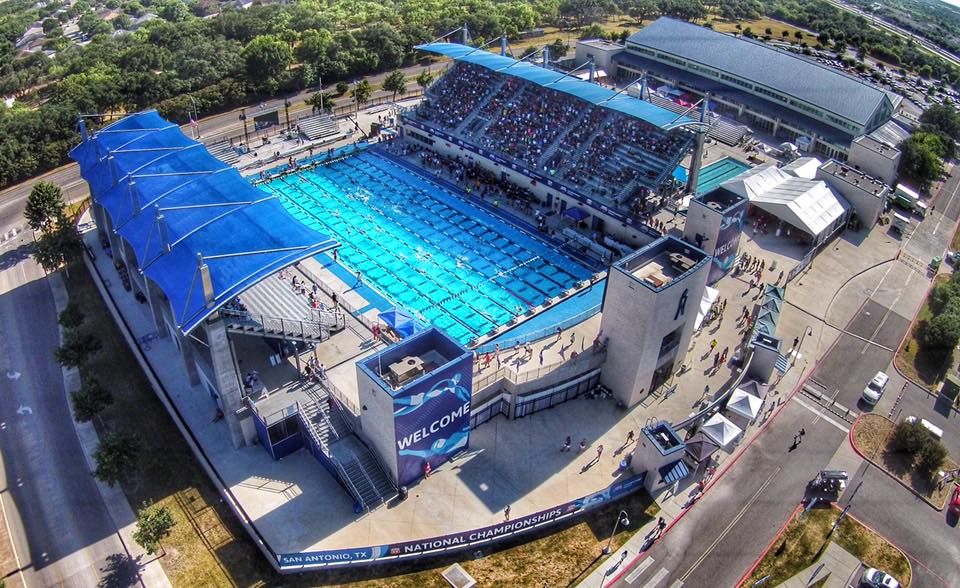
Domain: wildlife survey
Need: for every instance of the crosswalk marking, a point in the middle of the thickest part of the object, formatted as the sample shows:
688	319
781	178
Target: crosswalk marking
657	578
641	567
677	584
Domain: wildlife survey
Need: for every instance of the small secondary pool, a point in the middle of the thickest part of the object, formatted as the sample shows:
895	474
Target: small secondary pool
719	172
449	262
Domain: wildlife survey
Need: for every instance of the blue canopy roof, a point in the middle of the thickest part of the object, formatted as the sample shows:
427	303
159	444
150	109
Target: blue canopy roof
187	215
400	321
587	91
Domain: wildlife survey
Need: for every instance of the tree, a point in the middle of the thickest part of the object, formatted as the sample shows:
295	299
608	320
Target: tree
944	118
910	438
559	49
920	157
50	25
768	31
321	101
44	206
361	93
342	88
116	457
153	525
57	246
396	82
90	400
942	332
71	317
932	455
267	55
785	33
424	79
798	35
77	348
642	9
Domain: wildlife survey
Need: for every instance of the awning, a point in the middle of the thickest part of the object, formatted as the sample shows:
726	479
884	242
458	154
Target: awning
754	387
400	321
576	213
585	75
680	174
721	430
744	404
710	296
674	472
700	447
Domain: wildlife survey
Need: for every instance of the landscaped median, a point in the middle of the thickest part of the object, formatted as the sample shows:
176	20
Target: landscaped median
919	361
805	538
875	438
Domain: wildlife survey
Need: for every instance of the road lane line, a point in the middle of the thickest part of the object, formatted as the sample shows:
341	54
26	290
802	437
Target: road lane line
821	413
732	524
657	578
677	584
641	567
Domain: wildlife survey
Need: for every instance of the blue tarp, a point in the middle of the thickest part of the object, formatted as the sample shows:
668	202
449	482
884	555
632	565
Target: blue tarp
680	174
590	92
577	213
400	321
176	204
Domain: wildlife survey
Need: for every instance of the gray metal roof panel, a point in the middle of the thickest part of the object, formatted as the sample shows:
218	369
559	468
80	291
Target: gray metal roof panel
776	69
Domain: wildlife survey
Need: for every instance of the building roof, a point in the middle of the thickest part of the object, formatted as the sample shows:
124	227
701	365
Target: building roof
561	82
891	133
809	205
779	70
198	229
803	167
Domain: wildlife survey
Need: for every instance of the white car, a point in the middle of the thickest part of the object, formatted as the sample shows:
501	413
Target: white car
877	579
874	390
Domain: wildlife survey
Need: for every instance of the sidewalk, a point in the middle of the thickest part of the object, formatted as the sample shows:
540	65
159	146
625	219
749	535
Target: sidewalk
148	567
836	565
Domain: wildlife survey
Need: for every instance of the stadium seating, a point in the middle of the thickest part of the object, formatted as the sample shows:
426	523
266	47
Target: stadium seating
596	151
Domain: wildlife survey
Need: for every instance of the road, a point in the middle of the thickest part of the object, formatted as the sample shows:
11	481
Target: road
755	497
62	532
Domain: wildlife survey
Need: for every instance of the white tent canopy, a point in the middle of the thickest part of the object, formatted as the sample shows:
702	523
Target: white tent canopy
721	430
809	205
744	404
710	296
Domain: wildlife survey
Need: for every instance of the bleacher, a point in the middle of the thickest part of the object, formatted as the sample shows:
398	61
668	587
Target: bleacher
225	152
720	129
319	126
598	152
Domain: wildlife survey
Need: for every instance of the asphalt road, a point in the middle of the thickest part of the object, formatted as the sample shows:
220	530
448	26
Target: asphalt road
61	530
924	534
854	360
719	539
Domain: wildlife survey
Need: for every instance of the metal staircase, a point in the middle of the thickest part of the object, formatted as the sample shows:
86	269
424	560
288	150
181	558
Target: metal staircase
299	330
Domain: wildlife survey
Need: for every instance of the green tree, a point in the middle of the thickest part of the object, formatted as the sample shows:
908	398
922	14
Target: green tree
321	101
798	35
50	25
768	31
931	457
77	348
71	317
944	118
942	332
910	437
45	206
267	56
89	400
361	93
57	246
920	158
785	34
641	10
153	525
342	88
424	79
396	82
559	49
115	457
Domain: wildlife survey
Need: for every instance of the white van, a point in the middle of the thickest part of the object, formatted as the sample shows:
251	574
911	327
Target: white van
935	431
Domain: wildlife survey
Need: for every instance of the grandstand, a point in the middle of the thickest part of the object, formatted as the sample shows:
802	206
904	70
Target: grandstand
604	148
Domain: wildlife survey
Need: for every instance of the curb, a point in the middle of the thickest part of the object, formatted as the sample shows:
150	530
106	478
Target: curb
889	542
913	324
883	469
769	547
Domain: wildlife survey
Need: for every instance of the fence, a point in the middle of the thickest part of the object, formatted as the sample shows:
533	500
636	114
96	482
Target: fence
808	258
721	399
505	343
288	327
572	366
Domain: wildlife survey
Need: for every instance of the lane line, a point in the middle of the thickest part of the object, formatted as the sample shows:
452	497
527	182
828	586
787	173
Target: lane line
639	570
821	413
732	524
657	578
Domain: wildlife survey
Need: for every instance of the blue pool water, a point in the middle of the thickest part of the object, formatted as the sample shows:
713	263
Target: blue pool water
449	262
719	172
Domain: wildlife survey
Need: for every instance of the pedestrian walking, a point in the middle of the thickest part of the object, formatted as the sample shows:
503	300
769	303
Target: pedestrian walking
426	469
566	445
716	360
599	452
506	513
629	437
713	344
583	445
359	279
559	331
573	337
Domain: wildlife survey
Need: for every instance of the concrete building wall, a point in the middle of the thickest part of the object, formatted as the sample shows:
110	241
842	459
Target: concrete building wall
377	420
636	319
866	194
227	383
705	221
879	161
601	52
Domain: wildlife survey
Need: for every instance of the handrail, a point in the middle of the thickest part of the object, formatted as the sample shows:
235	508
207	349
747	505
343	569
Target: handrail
352	489
332	390
366	476
325	450
307	329
540	333
515	377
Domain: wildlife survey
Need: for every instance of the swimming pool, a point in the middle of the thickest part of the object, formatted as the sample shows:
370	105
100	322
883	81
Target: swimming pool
449	262
719	172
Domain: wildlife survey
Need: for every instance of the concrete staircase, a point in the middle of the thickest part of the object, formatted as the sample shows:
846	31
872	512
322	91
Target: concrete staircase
552	148
318	127
248	323
224	151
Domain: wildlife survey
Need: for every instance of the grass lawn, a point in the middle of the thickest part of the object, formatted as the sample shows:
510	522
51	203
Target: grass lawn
873	435
760	26
923	367
208	547
800	547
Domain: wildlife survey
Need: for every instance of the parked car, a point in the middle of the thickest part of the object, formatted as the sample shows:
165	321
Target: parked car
874	390
877	579
935	431
955	500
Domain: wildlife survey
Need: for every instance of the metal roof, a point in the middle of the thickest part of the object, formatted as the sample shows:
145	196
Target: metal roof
783	71
553	80
188	216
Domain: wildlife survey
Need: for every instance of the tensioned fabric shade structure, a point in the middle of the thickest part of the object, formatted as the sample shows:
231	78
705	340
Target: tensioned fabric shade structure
400	321
198	229
568	84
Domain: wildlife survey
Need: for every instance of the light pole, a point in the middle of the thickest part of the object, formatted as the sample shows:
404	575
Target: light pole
320	85
796	352
246	135
286	111
195	123
622	517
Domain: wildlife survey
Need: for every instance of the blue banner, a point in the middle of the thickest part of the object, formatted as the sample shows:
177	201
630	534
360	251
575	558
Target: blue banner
728	241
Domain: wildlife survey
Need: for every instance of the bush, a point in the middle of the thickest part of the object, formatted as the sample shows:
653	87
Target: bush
342	88
932	457
942	332
910	438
